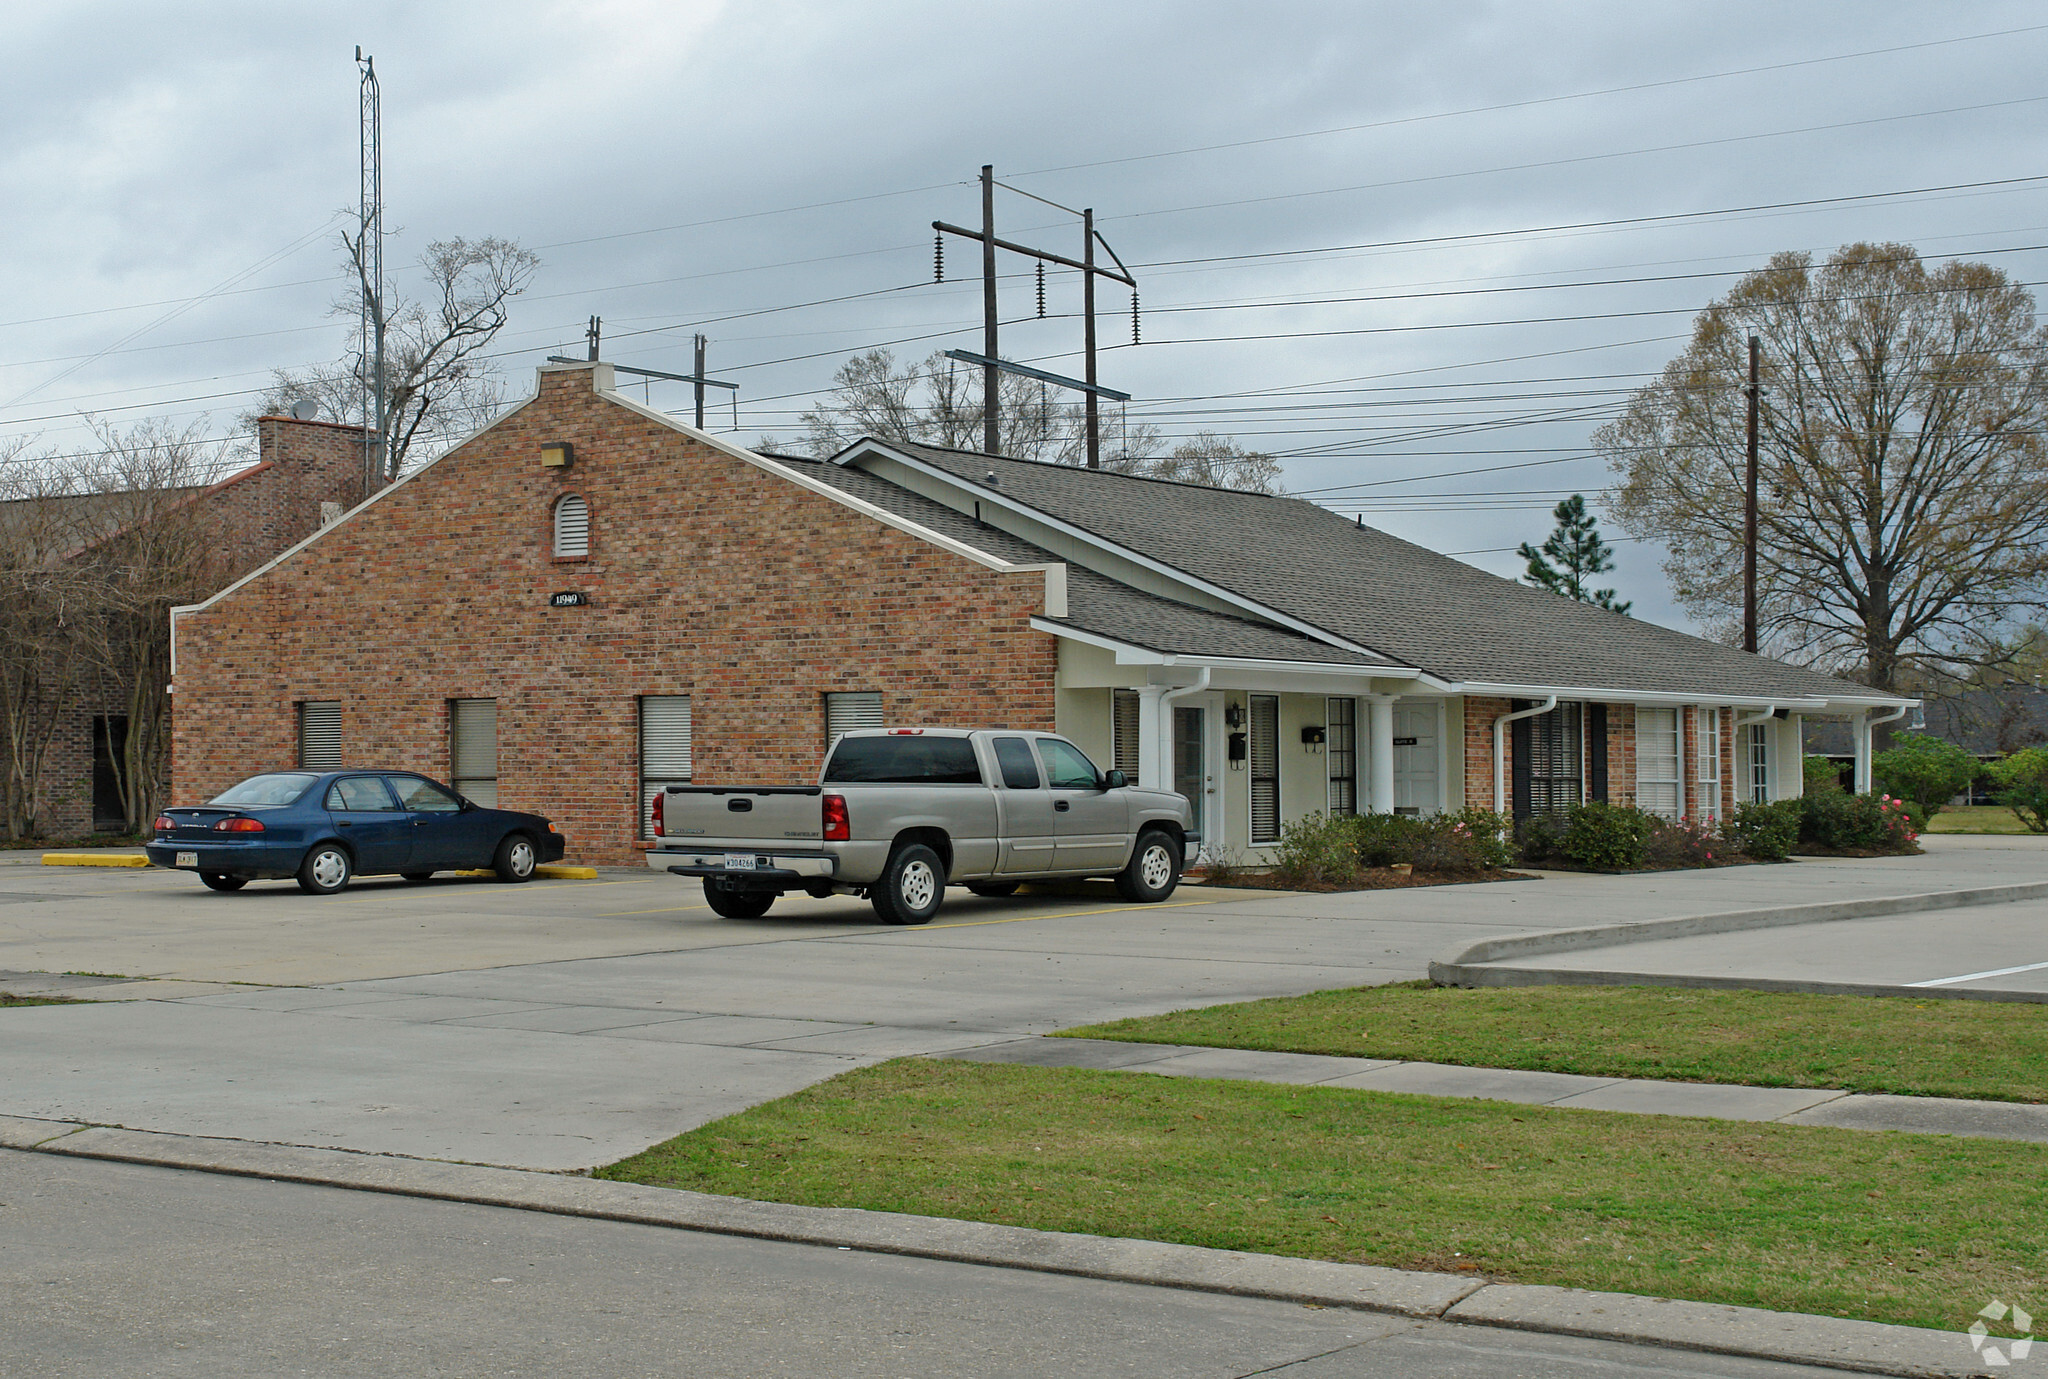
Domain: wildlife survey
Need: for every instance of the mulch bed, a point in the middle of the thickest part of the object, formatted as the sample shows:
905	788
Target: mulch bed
1370	879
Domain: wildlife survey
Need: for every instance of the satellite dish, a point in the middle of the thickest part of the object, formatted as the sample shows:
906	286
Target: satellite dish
305	409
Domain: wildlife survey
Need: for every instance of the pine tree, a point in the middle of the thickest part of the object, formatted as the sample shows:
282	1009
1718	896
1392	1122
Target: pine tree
1579	554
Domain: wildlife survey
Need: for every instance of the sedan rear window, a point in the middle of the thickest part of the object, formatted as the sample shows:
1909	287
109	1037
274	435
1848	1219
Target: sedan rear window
903	761
279	787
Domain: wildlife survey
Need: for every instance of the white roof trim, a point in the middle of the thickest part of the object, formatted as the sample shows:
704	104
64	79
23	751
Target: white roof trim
1002	500
1608	695
1130	654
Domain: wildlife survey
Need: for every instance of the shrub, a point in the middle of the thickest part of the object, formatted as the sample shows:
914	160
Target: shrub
1823	777
1857	823
1924	771
1681	843
1766	832
1605	837
1539	839
1472	839
2021	784
1315	850
1384	840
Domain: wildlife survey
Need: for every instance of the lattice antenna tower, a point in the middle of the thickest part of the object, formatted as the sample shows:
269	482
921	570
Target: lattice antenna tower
370	255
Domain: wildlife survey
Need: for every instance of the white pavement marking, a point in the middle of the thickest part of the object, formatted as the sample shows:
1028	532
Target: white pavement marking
1973	976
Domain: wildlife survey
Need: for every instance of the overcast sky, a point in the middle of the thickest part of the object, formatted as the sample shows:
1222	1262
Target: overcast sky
176	177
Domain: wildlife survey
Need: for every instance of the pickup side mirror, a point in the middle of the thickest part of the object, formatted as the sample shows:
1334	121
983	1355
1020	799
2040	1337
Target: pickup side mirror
1114	780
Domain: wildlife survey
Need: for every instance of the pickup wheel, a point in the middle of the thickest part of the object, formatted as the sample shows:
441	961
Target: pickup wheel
1153	871
729	902
992	889
911	887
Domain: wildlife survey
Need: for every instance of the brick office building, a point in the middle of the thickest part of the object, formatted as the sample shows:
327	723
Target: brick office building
588	600
306	473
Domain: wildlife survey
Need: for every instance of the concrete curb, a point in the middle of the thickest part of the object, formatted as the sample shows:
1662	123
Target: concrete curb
1459	966
94	859
1867	1347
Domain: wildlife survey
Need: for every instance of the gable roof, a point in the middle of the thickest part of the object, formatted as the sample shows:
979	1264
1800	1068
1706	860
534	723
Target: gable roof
1410	604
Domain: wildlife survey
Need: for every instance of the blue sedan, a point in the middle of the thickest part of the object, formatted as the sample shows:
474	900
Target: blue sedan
323	828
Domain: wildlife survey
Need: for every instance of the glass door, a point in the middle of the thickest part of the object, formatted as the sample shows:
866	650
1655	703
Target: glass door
1190	763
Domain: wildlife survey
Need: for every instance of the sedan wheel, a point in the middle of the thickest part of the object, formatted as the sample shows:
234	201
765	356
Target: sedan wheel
516	858
326	870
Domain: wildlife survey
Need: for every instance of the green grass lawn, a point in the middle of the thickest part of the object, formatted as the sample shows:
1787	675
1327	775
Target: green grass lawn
1992	1050
1916	1229
8	998
1976	818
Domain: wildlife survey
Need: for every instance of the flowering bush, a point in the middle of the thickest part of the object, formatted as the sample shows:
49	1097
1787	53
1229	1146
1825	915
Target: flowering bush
1682	843
1472	839
1857	823
1765	832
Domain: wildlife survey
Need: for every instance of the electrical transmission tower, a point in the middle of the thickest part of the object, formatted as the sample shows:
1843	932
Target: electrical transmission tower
990	363
369	256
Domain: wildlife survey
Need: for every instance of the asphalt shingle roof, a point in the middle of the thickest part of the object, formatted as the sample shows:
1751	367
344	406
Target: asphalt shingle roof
1411	604
1095	602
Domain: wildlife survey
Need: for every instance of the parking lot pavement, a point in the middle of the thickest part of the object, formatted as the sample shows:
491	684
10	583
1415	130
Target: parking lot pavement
564	1024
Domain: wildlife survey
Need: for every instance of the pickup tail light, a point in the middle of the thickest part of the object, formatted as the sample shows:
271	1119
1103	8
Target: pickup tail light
659	796
239	826
838	828
164	823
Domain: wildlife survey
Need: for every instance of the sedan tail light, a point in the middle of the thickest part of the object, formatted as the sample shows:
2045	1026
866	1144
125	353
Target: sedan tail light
838	828
164	823
239	826
658	811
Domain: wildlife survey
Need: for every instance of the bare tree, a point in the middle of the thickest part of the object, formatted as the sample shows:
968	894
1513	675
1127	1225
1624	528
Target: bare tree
1208	459
438	380
39	677
1904	505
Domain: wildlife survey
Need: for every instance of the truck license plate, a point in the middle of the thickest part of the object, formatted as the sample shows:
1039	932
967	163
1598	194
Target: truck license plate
188	859
739	861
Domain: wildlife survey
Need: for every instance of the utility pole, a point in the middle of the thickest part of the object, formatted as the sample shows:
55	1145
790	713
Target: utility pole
990	362
370	265
593	335
698	371
1749	513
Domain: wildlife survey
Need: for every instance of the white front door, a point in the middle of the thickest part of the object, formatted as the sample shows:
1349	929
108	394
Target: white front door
1415	757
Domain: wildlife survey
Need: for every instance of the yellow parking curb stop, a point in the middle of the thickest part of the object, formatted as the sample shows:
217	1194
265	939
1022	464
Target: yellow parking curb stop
94	859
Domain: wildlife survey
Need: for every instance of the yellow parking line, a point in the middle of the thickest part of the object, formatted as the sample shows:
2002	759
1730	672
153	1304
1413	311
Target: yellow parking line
501	891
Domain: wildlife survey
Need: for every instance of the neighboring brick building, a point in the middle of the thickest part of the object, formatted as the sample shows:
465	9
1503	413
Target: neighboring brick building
306	472
590	599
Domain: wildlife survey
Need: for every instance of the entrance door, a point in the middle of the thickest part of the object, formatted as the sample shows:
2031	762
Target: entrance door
1190	765
1415	758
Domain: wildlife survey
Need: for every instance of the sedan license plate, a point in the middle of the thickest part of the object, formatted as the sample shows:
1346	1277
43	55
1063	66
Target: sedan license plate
188	859
739	861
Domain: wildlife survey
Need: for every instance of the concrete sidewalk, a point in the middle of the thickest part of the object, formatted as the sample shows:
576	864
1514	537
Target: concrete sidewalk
1995	1120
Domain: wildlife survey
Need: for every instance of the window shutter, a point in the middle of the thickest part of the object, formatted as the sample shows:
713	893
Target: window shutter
473	749
845	712
1265	764
1124	722
664	750
320	735
1596	752
572	526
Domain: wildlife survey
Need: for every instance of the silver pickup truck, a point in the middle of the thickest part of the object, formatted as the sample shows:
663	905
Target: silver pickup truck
900	813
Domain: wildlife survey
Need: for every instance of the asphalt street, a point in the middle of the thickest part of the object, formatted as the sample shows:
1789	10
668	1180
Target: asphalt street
118	1269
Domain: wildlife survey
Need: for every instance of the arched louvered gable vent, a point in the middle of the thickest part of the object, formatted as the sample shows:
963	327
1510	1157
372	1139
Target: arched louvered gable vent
572	526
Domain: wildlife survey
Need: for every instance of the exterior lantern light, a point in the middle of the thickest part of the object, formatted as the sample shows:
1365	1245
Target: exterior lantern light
557	455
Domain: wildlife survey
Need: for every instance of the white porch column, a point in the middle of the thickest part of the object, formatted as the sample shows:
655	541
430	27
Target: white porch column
1152	747
1380	733
1859	730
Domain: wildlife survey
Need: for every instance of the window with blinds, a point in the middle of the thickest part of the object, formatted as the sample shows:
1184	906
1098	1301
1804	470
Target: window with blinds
664	750
848	710
1556	759
1340	744
1658	759
572	526
1264	751
473	749
1123	719
320	735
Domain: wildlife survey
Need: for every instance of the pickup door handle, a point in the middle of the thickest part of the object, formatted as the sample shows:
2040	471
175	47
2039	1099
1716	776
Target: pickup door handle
1061	806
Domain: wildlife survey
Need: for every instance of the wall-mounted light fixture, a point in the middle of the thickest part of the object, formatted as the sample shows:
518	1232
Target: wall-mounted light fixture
557	455
1233	714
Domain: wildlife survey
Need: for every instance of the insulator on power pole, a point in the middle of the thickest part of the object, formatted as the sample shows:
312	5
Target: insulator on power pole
1134	315
1041	289
939	257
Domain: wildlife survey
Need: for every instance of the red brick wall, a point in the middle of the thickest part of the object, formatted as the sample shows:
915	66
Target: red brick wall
1479	716
276	504
1621	754
707	575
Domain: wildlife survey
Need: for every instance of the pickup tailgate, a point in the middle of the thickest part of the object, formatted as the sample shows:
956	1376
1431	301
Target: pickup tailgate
771	831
